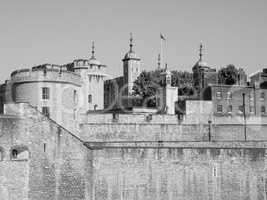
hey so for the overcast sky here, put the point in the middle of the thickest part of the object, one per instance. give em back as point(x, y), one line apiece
point(34, 32)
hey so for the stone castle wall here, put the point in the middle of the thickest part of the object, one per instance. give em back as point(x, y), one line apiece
point(26, 86)
point(126, 156)
point(43, 74)
point(144, 127)
point(53, 165)
point(179, 173)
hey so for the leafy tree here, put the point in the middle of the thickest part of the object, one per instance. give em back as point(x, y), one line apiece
point(145, 87)
point(228, 75)
point(147, 83)
point(184, 81)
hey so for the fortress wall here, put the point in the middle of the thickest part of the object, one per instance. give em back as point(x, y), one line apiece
point(179, 173)
point(31, 75)
point(61, 97)
point(142, 132)
point(129, 118)
point(14, 175)
point(57, 165)
point(135, 127)
point(170, 132)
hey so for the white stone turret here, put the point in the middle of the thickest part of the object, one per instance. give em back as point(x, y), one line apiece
point(167, 96)
point(131, 68)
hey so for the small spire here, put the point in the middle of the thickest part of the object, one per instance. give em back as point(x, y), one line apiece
point(93, 50)
point(159, 61)
point(200, 51)
point(131, 42)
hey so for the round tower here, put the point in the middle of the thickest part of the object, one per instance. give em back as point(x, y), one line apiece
point(52, 89)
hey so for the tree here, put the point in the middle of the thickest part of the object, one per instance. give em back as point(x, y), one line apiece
point(147, 83)
point(228, 75)
point(145, 87)
point(184, 81)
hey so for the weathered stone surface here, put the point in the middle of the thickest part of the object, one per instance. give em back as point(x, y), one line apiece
point(56, 167)
point(130, 159)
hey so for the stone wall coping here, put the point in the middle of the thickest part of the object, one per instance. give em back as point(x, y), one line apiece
point(162, 123)
point(5, 116)
point(179, 144)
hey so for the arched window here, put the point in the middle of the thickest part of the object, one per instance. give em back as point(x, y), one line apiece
point(95, 107)
point(19, 153)
point(89, 98)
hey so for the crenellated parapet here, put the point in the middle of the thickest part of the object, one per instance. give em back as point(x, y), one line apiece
point(46, 73)
point(92, 67)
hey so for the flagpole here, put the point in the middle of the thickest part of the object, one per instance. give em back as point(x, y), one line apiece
point(165, 42)
point(161, 53)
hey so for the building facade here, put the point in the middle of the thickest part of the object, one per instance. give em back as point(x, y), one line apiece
point(133, 156)
point(118, 91)
point(58, 91)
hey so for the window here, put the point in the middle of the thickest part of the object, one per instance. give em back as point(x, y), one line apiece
point(1, 105)
point(218, 95)
point(115, 117)
point(219, 108)
point(229, 95)
point(214, 171)
point(263, 110)
point(168, 80)
point(45, 93)
point(95, 107)
point(75, 96)
point(262, 96)
point(230, 109)
point(45, 111)
point(89, 98)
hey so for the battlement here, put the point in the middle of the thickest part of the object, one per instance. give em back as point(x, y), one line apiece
point(146, 127)
point(93, 67)
point(46, 73)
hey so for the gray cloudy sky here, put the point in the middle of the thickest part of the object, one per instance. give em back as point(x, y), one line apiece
point(34, 32)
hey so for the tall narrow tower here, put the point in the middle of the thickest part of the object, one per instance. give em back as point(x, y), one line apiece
point(167, 96)
point(131, 68)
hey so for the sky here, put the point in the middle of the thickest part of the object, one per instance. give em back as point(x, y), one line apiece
point(34, 32)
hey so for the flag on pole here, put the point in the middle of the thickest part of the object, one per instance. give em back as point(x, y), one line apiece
point(162, 37)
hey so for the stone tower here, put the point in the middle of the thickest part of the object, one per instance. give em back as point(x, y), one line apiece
point(203, 75)
point(131, 68)
point(167, 96)
point(92, 74)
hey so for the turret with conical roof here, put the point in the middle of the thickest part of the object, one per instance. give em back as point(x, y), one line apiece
point(203, 75)
point(131, 67)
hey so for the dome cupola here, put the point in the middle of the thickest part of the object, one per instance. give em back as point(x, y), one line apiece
point(131, 54)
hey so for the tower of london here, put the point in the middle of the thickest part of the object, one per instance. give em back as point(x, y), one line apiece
point(68, 132)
